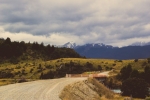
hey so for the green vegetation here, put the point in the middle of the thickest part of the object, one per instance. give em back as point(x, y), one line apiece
point(90, 89)
point(39, 68)
point(135, 82)
point(135, 87)
point(21, 62)
point(14, 52)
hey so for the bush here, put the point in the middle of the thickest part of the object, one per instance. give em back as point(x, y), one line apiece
point(112, 83)
point(125, 72)
point(22, 80)
point(31, 70)
point(6, 74)
point(138, 88)
point(40, 66)
point(114, 64)
point(119, 60)
point(100, 67)
point(147, 98)
point(48, 75)
point(101, 89)
point(135, 60)
point(49, 66)
point(18, 67)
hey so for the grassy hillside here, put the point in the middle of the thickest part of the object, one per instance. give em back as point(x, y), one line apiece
point(14, 51)
point(32, 69)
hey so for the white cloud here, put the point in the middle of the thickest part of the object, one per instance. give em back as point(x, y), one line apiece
point(53, 38)
point(59, 21)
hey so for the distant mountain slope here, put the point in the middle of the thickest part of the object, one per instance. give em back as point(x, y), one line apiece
point(69, 45)
point(110, 52)
point(140, 44)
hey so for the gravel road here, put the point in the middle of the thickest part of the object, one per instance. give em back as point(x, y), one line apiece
point(104, 73)
point(36, 90)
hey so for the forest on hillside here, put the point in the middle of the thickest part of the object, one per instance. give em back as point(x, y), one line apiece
point(13, 51)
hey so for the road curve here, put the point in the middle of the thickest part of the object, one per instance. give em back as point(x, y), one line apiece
point(36, 90)
point(104, 73)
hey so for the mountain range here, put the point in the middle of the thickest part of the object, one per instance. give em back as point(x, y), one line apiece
point(137, 50)
point(140, 44)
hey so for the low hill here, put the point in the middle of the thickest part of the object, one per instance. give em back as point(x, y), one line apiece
point(38, 68)
point(16, 51)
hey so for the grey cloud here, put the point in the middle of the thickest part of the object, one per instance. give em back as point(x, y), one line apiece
point(93, 21)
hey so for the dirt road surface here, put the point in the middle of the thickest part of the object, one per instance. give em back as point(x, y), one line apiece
point(36, 90)
point(104, 73)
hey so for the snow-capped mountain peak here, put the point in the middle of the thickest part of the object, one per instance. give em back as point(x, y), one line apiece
point(97, 44)
point(73, 45)
point(70, 45)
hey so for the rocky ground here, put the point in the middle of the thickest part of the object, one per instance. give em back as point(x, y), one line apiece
point(82, 90)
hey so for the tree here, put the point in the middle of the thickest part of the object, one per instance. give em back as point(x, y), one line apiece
point(7, 41)
point(135, 87)
point(89, 66)
point(125, 72)
point(134, 73)
point(135, 60)
point(100, 67)
point(147, 74)
point(49, 75)
point(148, 59)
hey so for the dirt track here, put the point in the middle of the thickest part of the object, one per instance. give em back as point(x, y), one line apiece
point(37, 90)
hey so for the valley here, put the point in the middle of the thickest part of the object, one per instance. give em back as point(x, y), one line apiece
point(35, 64)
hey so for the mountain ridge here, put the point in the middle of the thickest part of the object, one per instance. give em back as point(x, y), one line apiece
point(100, 50)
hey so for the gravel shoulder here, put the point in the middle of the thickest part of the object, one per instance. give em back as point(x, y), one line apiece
point(36, 90)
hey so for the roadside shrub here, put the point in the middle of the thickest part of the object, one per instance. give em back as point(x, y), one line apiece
point(18, 67)
point(100, 67)
point(101, 89)
point(39, 70)
point(22, 80)
point(107, 68)
point(16, 73)
point(136, 87)
point(114, 64)
point(147, 98)
point(48, 66)
point(135, 60)
point(6, 74)
point(48, 75)
point(144, 64)
point(112, 83)
point(119, 60)
point(31, 70)
point(40, 66)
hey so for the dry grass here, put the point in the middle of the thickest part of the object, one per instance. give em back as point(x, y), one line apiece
point(101, 89)
point(90, 89)
point(6, 81)
point(79, 91)
point(28, 65)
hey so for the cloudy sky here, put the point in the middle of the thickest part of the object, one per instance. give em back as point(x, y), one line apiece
point(115, 22)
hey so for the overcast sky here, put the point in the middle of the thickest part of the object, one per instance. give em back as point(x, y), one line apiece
point(115, 22)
